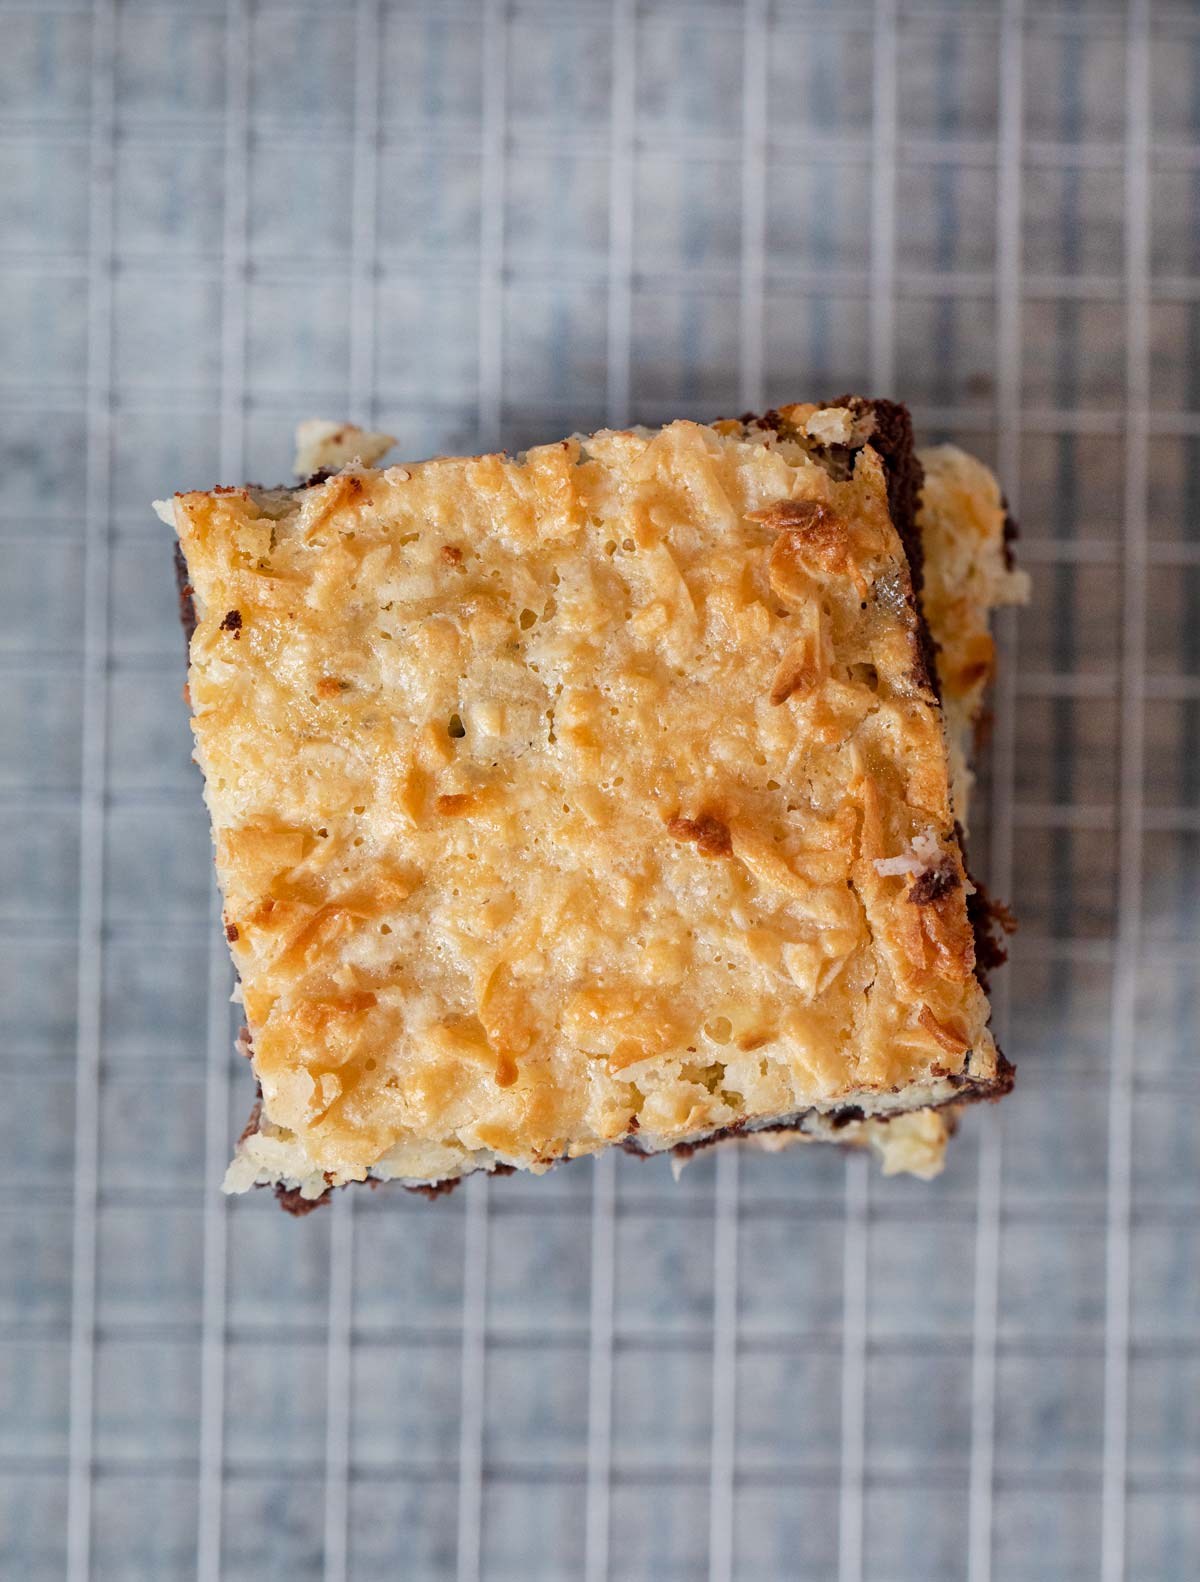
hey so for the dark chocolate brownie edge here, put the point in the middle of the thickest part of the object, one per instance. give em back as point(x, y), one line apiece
point(970, 1092)
point(187, 601)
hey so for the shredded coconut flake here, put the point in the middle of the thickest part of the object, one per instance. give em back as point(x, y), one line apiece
point(327, 447)
point(896, 867)
point(928, 848)
point(924, 853)
point(832, 425)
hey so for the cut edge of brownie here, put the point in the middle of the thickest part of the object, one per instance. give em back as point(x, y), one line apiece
point(968, 1091)
point(187, 597)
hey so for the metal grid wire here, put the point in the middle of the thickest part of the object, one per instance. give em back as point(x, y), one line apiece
point(487, 223)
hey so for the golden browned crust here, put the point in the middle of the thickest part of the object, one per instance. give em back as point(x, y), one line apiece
point(565, 797)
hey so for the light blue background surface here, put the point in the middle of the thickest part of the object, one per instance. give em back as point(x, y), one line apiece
point(477, 225)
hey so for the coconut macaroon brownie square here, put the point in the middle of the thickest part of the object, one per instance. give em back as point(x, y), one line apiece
point(600, 796)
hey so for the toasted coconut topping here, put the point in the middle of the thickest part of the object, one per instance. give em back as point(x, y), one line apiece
point(559, 794)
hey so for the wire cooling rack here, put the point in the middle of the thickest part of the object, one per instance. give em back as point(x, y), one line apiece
point(486, 224)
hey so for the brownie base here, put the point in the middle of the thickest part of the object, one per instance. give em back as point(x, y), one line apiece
point(186, 594)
